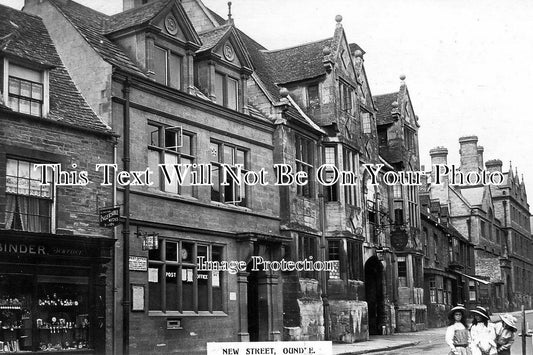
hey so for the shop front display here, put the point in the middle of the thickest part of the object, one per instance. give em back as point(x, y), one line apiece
point(52, 299)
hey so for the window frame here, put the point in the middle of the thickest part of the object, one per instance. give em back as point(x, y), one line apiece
point(181, 265)
point(243, 189)
point(226, 79)
point(168, 72)
point(163, 151)
point(305, 162)
point(52, 198)
point(308, 245)
point(331, 192)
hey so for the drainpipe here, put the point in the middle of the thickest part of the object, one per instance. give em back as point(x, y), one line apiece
point(323, 274)
point(126, 228)
point(115, 260)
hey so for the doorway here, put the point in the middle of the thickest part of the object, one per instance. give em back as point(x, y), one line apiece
point(374, 294)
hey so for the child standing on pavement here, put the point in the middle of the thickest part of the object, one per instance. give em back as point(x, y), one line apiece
point(483, 336)
point(505, 332)
point(457, 336)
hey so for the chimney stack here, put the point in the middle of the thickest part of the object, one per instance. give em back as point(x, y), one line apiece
point(469, 154)
point(494, 165)
point(480, 151)
point(439, 155)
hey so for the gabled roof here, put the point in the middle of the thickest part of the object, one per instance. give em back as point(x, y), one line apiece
point(211, 38)
point(91, 25)
point(297, 63)
point(384, 107)
point(31, 42)
point(136, 16)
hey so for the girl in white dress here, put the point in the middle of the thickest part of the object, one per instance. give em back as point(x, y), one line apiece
point(483, 336)
point(457, 336)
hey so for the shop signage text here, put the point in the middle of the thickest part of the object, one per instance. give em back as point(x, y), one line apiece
point(109, 217)
point(21, 248)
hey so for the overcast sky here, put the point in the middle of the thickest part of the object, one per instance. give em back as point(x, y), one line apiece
point(469, 64)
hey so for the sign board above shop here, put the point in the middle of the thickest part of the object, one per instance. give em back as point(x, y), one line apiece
point(109, 216)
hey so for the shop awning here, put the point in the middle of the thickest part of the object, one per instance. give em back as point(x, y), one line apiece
point(484, 282)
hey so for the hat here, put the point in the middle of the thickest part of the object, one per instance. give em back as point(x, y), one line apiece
point(458, 308)
point(481, 311)
point(509, 320)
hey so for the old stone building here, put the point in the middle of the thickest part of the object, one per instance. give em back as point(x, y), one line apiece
point(512, 209)
point(448, 259)
point(55, 260)
point(471, 209)
point(397, 133)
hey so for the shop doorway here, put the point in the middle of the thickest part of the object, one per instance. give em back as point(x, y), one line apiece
point(258, 306)
point(374, 294)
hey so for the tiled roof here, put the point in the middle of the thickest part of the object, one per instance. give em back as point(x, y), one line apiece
point(211, 37)
point(135, 16)
point(91, 24)
point(31, 42)
point(297, 63)
point(354, 47)
point(384, 107)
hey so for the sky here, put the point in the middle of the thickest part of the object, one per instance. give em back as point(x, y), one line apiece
point(468, 64)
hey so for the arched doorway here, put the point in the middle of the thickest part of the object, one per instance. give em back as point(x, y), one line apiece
point(374, 294)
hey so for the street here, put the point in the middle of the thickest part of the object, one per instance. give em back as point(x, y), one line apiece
point(433, 344)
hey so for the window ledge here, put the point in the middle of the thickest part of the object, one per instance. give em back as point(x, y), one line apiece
point(230, 206)
point(187, 314)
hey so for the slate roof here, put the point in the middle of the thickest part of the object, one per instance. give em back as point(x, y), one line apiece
point(211, 37)
point(297, 63)
point(136, 16)
point(25, 36)
point(91, 24)
point(384, 107)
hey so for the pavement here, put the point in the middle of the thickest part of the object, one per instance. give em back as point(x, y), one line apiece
point(383, 343)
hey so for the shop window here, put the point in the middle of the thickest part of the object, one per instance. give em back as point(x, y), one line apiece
point(308, 249)
point(334, 255)
point(233, 157)
point(305, 153)
point(53, 316)
point(432, 290)
point(350, 165)
point(313, 98)
point(171, 145)
point(176, 284)
point(227, 91)
point(355, 260)
point(26, 90)
point(29, 204)
point(167, 67)
point(330, 158)
point(402, 271)
point(448, 291)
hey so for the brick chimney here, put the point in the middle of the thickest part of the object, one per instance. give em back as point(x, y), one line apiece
point(469, 154)
point(439, 155)
point(494, 165)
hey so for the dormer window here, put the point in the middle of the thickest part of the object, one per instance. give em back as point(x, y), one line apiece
point(313, 98)
point(167, 67)
point(26, 90)
point(227, 91)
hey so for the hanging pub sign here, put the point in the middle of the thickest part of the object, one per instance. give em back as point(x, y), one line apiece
point(399, 239)
point(109, 216)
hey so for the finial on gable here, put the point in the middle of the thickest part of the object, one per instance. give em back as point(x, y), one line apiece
point(402, 78)
point(338, 19)
point(230, 19)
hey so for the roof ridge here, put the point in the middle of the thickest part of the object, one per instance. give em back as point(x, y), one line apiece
point(390, 93)
point(295, 46)
point(215, 28)
point(77, 3)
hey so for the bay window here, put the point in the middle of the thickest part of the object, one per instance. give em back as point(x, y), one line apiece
point(330, 158)
point(305, 152)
